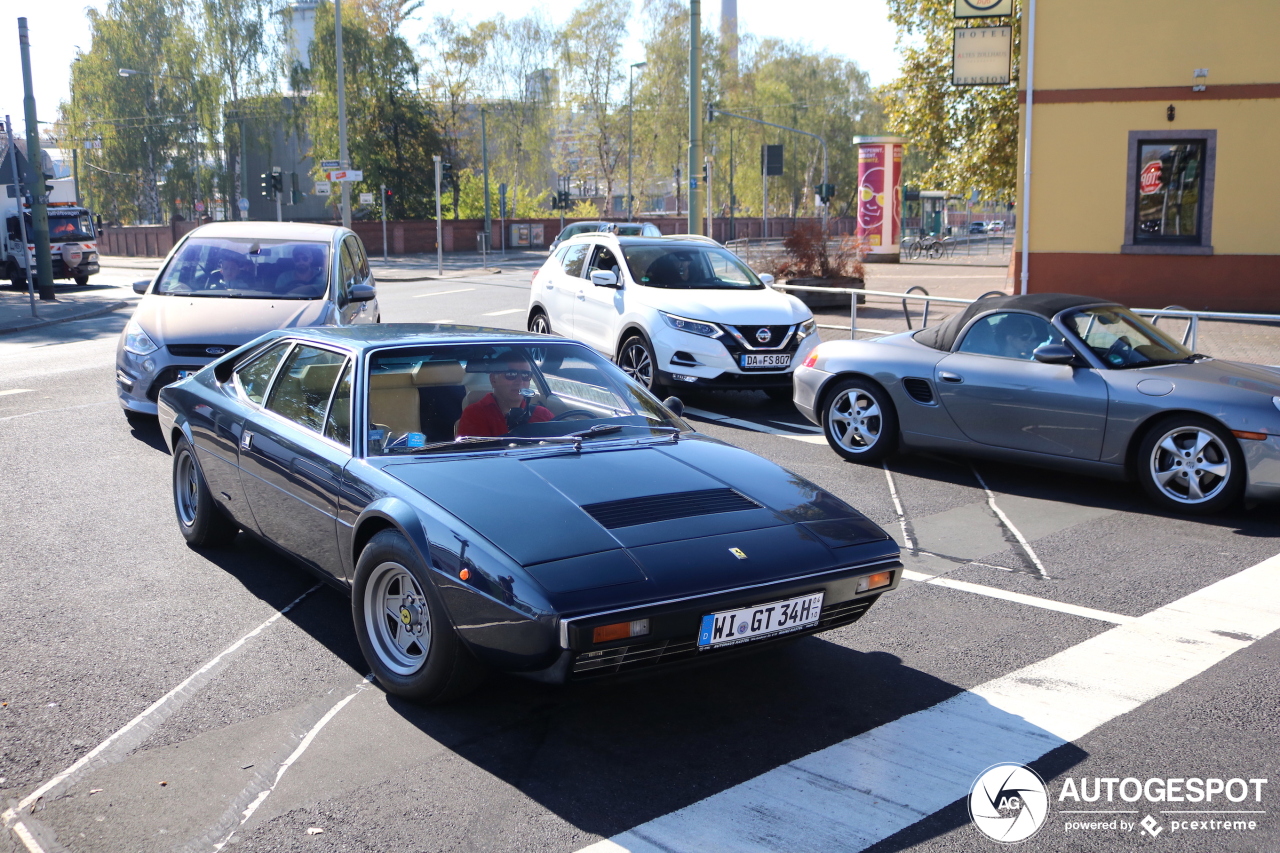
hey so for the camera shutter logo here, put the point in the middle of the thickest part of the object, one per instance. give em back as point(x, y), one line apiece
point(1008, 803)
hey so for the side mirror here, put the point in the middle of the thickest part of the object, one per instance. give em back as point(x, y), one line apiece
point(141, 286)
point(604, 278)
point(767, 279)
point(362, 292)
point(1054, 354)
point(675, 405)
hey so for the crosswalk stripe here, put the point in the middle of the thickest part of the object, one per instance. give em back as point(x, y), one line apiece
point(860, 791)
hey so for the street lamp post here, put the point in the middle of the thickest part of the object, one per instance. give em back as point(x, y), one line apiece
point(631, 83)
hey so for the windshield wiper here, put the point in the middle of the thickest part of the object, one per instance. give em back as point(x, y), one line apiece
point(574, 438)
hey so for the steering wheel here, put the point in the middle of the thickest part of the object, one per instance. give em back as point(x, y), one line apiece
point(574, 415)
point(1118, 352)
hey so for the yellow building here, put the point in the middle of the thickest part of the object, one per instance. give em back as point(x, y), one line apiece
point(1155, 158)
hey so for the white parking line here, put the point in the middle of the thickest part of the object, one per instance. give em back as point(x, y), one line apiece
point(502, 313)
point(15, 391)
point(140, 727)
point(1004, 519)
point(752, 425)
point(856, 793)
point(907, 536)
point(442, 292)
point(1020, 598)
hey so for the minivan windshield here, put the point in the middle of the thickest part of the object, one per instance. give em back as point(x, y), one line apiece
point(689, 266)
point(245, 268)
point(469, 397)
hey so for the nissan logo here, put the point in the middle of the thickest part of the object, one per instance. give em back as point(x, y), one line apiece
point(214, 350)
point(763, 335)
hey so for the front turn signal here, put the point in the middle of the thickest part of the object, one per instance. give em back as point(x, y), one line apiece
point(875, 581)
point(811, 359)
point(620, 631)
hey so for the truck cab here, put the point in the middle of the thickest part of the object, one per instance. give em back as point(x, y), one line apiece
point(73, 239)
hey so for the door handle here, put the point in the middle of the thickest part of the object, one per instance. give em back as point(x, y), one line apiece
point(948, 376)
point(582, 296)
point(246, 440)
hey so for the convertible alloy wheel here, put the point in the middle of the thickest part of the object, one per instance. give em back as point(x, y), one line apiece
point(1190, 464)
point(860, 422)
point(201, 522)
point(637, 361)
point(398, 618)
point(403, 629)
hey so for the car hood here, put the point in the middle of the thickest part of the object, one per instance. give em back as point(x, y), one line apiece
point(1253, 378)
point(195, 319)
point(766, 307)
point(546, 511)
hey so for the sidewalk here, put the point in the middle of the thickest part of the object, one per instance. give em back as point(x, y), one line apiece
point(72, 303)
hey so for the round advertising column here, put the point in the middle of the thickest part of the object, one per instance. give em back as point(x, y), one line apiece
point(880, 195)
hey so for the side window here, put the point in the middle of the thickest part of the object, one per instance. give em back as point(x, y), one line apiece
point(302, 391)
point(573, 260)
point(604, 260)
point(358, 258)
point(346, 272)
point(338, 426)
point(252, 379)
point(1008, 335)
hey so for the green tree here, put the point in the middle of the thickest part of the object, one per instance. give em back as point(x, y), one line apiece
point(967, 135)
point(391, 131)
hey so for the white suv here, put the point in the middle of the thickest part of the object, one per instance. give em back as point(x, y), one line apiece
point(673, 311)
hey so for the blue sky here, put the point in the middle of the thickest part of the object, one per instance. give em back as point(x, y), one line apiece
point(858, 29)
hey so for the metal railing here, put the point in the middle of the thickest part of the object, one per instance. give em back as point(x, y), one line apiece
point(1189, 336)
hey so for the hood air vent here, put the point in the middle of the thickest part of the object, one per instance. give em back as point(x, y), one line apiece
point(632, 511)
point(919, 389)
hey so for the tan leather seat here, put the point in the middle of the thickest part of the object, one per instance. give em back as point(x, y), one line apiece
point(393, 403)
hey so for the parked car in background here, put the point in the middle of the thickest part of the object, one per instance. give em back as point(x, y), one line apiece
point(1070, 382)
point(673, 311)
point(977, 228)
point(599, 536)
point(227, 283)
point(996, 226)
point(623, 229)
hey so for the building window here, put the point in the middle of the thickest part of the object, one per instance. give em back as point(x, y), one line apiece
point(1170, 192)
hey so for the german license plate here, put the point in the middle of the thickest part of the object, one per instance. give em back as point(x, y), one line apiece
point(183, 374)
point(731, 627)
point(766, 360)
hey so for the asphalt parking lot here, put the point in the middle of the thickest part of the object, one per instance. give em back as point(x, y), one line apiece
point(159, 698)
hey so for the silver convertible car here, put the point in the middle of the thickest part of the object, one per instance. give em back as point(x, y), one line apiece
point(1059, 381)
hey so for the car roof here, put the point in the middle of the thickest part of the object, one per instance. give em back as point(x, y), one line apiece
point(643, 240)
point(371, 335)
point(270, 230)
point(1047, 305)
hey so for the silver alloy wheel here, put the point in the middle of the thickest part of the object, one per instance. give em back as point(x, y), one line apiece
point(186, 490)
point(1190, 465)
point(397, 618)
point(540, 324)
point(635, 362)
point(855, 420)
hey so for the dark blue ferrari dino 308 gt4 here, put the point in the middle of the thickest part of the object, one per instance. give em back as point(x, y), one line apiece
point(506, 500)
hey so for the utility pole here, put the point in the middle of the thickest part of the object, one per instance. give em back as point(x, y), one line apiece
point(35, 175)
point(631, 95)
point(484, 162)
point(733, 199)
point(695, 112)
point(710, 222)
point(343, 155)
point(439, 229)
point(22, 220)
point(383, 189)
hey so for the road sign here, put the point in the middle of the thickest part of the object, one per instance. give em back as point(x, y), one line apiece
point(366, 198)
point(199, 207)
point(345, 175)
point(323, 188)
point(243, 204)
point(1149, 180)
point(330, 164)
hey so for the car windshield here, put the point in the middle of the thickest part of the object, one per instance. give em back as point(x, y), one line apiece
point(476, 397)
point(689, 266)
point(243, 268)
point(1122, 339)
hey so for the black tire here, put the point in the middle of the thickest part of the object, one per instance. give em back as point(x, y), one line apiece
point(202, 522)
point(860, 421)
point(417, 654)
point(637, 360)
point(540, 323)
point(1190, 464)
point(82, 280)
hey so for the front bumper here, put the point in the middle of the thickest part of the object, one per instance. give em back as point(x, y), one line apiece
point(139, 378)
point(685, 359)
point(808, 385)
point(1262, 468)
point(672, 641)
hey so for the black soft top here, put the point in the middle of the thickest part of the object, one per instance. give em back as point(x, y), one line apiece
point(1047, 305)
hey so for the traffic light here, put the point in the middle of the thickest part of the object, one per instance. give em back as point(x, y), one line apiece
point(704, 174)
point(295, 193)
point(386, 196)
point(825, 192)
point(446, 174)
point(277, 182)
point(564, 199)
point(265, 186)
point(711, 112)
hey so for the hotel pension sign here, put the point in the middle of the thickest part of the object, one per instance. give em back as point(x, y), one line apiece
point(982, 56)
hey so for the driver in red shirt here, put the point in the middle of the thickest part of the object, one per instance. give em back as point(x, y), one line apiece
point(508, 406)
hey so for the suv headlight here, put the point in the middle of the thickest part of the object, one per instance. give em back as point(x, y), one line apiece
point(807, 328)
point(136, 340)
point(697, 327)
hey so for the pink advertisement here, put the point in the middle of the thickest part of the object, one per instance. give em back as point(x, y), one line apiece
point(880, 194)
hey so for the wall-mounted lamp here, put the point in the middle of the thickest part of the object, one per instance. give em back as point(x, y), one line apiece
point(1170, 112)
point(1199, 79)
